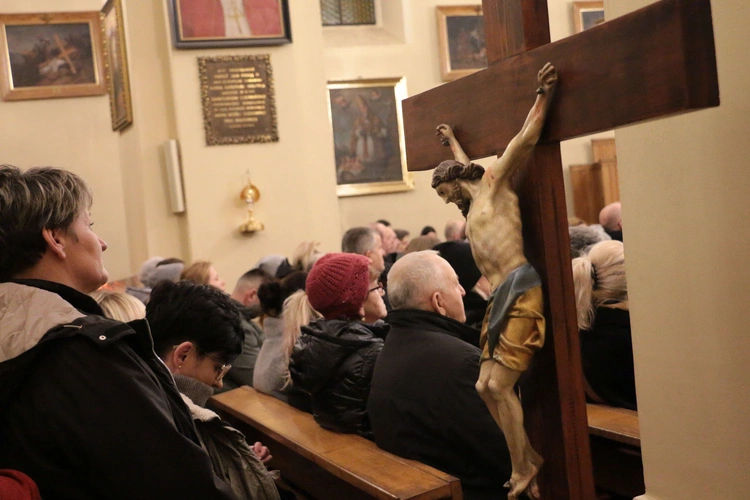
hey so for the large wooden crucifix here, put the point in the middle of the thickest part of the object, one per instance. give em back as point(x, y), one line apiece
point(656, 61)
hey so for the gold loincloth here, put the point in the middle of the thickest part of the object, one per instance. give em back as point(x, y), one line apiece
point(521, 332)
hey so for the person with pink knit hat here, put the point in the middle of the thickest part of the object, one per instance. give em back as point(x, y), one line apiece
point(335, 356)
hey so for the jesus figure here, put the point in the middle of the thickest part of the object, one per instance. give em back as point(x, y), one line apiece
point(513, 326)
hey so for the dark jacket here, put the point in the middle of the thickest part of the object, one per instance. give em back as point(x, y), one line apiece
point(88, 410)
point(424, 405)
point(243, 368)
point(333, 362)
point(232, 458)
point(607, 356)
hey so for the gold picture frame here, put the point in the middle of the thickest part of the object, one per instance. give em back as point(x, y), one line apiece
point(461, 42)
point(51, 55)
point(587, 15)
point(368, 136)
point(116, 64)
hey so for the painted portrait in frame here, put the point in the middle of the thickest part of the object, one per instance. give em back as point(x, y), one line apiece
point(116, 61)
point(50, 55)
point(587, 15)
point(461, 42)
point(368, 136)
point(200, 24)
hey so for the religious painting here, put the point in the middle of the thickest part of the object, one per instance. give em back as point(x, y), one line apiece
point(461, 41)
point(587, 15)
point(368, 136)
point(116, 62)
point(198, 24)
point(50, 55)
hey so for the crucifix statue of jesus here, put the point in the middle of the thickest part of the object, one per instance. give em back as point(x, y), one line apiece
point(514, 325)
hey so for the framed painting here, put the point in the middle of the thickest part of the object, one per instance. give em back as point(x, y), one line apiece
point(368, 136)
point(587, 15)
point(198, 24)
point(116, 63)
point(50, 55)
point(461, 41)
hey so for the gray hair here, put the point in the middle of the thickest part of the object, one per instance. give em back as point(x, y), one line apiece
point(582, 238)
point(413, 279)
point(358, 240)
point(30, 202)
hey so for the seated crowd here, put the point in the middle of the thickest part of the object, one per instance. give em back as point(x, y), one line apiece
point(380, 340)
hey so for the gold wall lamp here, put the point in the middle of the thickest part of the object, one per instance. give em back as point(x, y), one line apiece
point(250, 194)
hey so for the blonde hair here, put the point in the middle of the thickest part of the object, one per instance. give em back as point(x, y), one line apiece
point(120, 306)
point(197, 272)
point(599, 280)
point(297, 312)
point(305, 256)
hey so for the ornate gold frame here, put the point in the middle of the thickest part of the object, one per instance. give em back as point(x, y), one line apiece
point(443, 13)
point(399, 92)
point(121, 118)
point(11, 93)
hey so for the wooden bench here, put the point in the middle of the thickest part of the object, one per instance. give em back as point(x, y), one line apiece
point(327, 465)
point(616, 449)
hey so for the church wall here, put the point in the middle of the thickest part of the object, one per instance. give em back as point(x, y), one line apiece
point(74, 134)
point(416, 57)
point(685, 185)
point(298, 195)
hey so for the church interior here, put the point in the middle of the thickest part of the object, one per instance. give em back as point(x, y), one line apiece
point(681, 180)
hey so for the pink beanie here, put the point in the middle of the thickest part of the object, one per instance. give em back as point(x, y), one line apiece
point(337, 285)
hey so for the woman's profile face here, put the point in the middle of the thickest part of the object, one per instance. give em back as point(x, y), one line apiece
point(214, 280)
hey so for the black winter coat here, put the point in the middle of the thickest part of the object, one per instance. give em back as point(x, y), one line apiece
point(333, 362)
point(87, 410)
point(424, 405)
point(607, 356)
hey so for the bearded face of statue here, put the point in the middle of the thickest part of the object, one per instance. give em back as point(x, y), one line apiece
point(450, 192)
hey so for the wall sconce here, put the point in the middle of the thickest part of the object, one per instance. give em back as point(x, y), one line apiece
point(250, 194)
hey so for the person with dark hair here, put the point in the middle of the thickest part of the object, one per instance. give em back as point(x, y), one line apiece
point(245, 296)
point(198, 334)
point(428, 230)
point(281, 329)
point(88, 410)
point(165, 270)
point(335, 356)
point(365, 241)
point(403, 239)
point(384, 222)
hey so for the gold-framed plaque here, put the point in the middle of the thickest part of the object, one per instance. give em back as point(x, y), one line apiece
point(237, 93)
point(368, 136)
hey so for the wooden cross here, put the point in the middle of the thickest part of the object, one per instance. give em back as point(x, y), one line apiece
point(656, 61)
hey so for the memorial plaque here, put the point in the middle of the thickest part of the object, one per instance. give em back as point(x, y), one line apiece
point(238, 99)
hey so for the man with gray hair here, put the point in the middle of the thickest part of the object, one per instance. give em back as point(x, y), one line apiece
point(365, 241)
point(455, 230)
point(88, 410)
point(423, 386)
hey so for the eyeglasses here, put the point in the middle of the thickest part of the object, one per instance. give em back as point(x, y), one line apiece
point(379, 288)
point(220, 368)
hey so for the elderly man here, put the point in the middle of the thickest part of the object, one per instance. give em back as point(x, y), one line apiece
point(88, 410)
point(365, 241)
point(513, 328)
point(610, 217)
point(423, 404)
point(245, 294)
point(454, 230)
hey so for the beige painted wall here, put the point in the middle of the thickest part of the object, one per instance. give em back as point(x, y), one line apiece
point(685, 185)
point(416, 58)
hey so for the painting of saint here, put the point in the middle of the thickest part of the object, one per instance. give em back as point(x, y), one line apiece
point(366, 134)
point(248, 22)
point(466, 43)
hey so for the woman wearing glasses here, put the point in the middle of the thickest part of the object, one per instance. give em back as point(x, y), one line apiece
point(198, 334)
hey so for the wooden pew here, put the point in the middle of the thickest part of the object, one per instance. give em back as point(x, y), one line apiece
point(616, 450)
point(327, 465)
